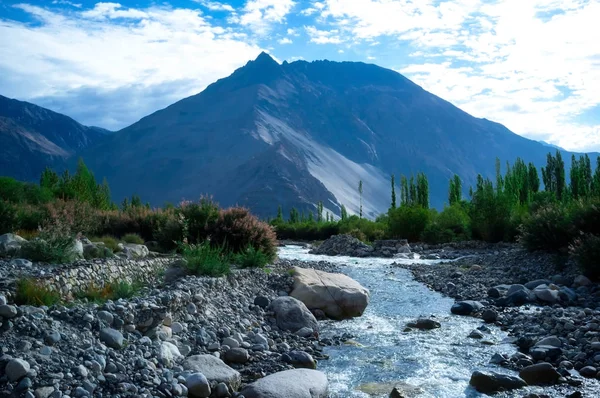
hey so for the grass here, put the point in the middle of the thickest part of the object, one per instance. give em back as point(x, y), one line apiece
point(203, 259)
point(133, 238)
point(110, 291)
point(27, 234)
point(251, 258)
point(30, 292)
point(52, 249)
point(109, 241)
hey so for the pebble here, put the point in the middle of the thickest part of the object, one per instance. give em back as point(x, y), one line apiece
point(16, 369)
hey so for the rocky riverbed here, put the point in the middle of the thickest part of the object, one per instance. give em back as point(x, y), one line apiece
point(192, 336)
point(550, 311)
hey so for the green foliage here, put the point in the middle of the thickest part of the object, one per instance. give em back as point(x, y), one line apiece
point(370, 230)
point(251, 258)
point(586, 251)
point(206, 259)
point(31, 292)
point(553, 175)
point(52, 246)
point(490, 211)
point(393, 182)
point(110, 291)
point(8, 217)
point(360, 193)
point(548, 229)
point(198, 218)
point(133, 238)
point(455, 190)
point(408, 222)
point(110, 242)
point(452, 224)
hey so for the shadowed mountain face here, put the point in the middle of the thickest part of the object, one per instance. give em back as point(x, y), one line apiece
point(33, 137)
point(298, 133)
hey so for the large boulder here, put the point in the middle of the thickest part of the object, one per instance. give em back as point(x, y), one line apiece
point(546, 293)
point(343, 245)
point(540, 373)
point(10, 244)
point(295, 383)
point(491, 382)
point(466, 307)
point(133, 250)
point(291, 314)
point(214, 370)
point(337, 295)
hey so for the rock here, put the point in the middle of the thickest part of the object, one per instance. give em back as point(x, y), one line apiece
point(16, 369)
point(214, 370)
point(78, 248)
point(588, 371)
point(305, 332)
point(466, 307)
point(168, 353)
point(345, 245)
point(518, 297)
point(106, 317)
point(291, 314)
point(198, 385)
point(545, 294)
point(261, 301)
point(111, 338)
point(8, 311)
point(541, 352)
point(10, 244)
point(540, 373)
point(491, 382)
point(476, 334)
point(133, 250)
point(498, 359)
point(489, 316)
point(20, 263)
point(174, 273)
point(296, 383)
point(581, 280)
point(533, 284)
point(237, 355)
point(425, 324)
point(338, 295)
point(300, 359)
point(550, 340)
point(231, 342)
point(52, 337)
point(43, 392)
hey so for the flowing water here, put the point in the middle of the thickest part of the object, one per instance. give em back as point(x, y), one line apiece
point(438, 362)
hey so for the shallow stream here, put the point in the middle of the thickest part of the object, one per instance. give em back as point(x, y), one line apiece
point(438, 363)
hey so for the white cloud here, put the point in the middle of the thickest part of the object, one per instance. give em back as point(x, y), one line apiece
point(285, 40)
point(292, 32)
point(323, 36)
point(534, 66)
point(260, 15)
point(309, 11)
point(89, 52)
point(371, 58)
point(340, 51)
point(215, 5)
point(67, 3)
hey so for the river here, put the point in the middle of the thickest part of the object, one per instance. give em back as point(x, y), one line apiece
point(439, 363)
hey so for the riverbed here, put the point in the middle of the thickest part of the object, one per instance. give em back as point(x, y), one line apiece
point(436, 363)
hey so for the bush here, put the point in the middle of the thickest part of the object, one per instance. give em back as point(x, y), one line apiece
point(408, 222)
point(31, 292)
point(370, 229)
point(237, 229)
point(251, 258)
point(586, 251)
point(8, 218)
point(50, 248)
point(198, 218)
point(110, 242)
point(133, 238)
point(452, 224)
point(110, 291)
point(76, 217)
point(550, 228)
point(205, 259)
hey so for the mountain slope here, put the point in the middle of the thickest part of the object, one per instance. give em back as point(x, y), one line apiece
point(34, 137)
point(298, 133)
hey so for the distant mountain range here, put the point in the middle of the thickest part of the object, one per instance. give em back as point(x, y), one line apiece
point(290, 134)
point(33, 137)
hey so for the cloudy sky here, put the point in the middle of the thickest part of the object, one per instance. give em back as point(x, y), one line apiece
point(533, 65)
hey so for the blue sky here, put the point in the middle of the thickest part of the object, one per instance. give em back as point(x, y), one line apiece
point(532, 65)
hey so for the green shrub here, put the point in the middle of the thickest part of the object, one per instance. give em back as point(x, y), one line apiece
point(586, 251)
point(251, 258)
point(452, 224)
point(550, 228)
point(372, 230)
point(31, 292)
point(133, 238)
point(198, 217)
point(205, 259)
point(8, 218)
point(110, 291)
point(50, 248)
point(110, 242)
point(408, 222)
point(237, 229)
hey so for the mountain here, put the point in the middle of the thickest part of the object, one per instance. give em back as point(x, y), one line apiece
point(293, 134)
point(34, 137)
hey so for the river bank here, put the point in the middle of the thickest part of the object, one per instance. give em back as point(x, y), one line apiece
point(549, 310)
